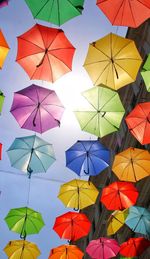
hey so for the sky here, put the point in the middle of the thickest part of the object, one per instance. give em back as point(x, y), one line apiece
point(14, 21)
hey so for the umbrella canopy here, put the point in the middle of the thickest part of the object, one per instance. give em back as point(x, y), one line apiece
point(113, 61)
point(104, 114)
point(72, 225)
point(116, 221)
point(2, 97)
point(138, 122)
point(78, 194)
point(139, 220)
point(21, 249)
point(31, 154)
point(37, 108)
point(146, 73)
point(55, 11)
point(45, 53)
point(134, 247)
point(130, 13)
point(3, 3)
point(66, 252)
point(103, 248)
point(119, 195)
point(132, 164)
point(87, 157)
point(24, 221)
point(4, 49)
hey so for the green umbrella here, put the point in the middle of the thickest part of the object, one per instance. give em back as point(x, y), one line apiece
point(2, 97)
point(24, 221)
point(55, 11)
point(146, 73)
point(104, 114)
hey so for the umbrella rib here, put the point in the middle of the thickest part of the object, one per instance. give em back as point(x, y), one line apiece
point(75, 159)
point(90, 120)
point(92, 164)
point(130, 42)
point(19, 158)
point(100, 51)
point(49, 104)
point(73, 6)
point(109, 101)
point(61, 61)
point(132, 13)
point(30, 105)
point(124, 70)
point(41, 9)
point(45, 154)
point(42, 50)
point(40, 161)
point(118, 12)
point(50, 114)
point(106, 67)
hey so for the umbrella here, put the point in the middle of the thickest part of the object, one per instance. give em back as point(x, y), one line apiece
point(139, 220)
point(37, 108)
point(24, 221)
point(125, 13)
point(1, 151)
point(72, 225)
point(4, 49)
point(122, 257)
point(146, 73)
point(2, 97)
point(113, 61)
point(138, 121)
point(31, 154)
point(134, 246)
point(119, 195)
point(103, 248)
point(66, 252)
point(3, 3)
point(21, 249)
point(78, 194)
point(88, 157)
point(55, 11)
point(45, 53)
point(116, 221)
point(104, 114)
point(132, 164)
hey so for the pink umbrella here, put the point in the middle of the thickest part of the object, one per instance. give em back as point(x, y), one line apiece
point(3, 3)
point(37, 108)
point(103, 248)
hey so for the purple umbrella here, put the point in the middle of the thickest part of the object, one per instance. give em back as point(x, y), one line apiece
point(37, 108)
point(3, 3)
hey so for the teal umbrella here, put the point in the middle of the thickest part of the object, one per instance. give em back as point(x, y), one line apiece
point(31, 154)
point(146, 73)
point(139, 220)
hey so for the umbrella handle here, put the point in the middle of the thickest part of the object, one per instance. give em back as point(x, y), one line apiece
point(23, 236)
point(75, 209)
point(87, 173)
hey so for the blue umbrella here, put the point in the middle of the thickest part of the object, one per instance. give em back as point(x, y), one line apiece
point(31, 154)
point(87, 157)
point(139, 220)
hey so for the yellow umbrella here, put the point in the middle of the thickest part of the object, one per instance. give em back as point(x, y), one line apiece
point(113, 61)
point(116, 221)
point(4, 48)
point(78, 194)
point(132, 164)
point(21, 249)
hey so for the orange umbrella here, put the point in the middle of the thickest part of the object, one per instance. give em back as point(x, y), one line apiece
point(66, 252)
point(132, 164)
point(129, 13)
point(119, 195)
point(4, 48)
point(72, 225)
point(45, 53)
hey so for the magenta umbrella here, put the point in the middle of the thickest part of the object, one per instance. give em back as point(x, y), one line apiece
point(37, 108)
point(103, 248)
point(3, 3)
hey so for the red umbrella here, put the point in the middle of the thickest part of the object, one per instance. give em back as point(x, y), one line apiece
point(138, 121)
point(45, 53)
point(129, 13)
point(119, 195)
point(72, 225)
point(134, 246)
